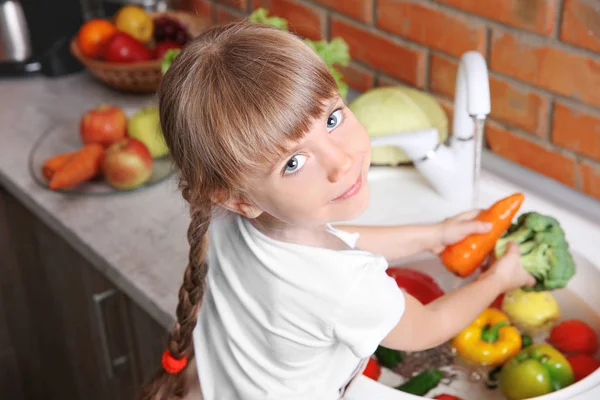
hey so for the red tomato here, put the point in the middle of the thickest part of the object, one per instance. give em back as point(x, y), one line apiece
point(446, 397)
point(574, 336)
point(418, 284)
point(373, 370)
point(583, 365)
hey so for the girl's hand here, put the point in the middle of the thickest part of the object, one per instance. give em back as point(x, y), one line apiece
point(507, 270)
point(456, 228)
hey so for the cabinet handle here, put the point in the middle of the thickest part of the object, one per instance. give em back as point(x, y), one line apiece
point(109, 362)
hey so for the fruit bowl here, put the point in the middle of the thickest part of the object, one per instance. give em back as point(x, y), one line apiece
point(139, 77)
point(63, 136)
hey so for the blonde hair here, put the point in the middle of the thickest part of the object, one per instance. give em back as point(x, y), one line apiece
point(233, 100)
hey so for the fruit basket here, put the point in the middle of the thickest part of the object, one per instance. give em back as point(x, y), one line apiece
point(141, 77)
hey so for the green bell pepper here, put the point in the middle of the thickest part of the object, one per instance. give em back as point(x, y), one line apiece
point(536, 370)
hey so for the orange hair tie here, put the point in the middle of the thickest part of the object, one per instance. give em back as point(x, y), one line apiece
point(171, 364)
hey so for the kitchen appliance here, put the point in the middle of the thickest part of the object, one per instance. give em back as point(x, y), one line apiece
point(35, 36)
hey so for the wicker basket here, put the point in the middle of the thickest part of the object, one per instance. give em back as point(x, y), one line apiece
point(142, 77)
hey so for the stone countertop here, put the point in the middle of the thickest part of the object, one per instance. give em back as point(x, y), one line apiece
point(137, 239)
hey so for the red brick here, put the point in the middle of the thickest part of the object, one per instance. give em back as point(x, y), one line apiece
point(581, 23)
point(401, 62)
point(442, 75)
point(303, 19)
point(560, 71)
point(530, 154)
point(576, 130)
point(511, 104)
point(519, 107)
point(361, 10)
point(225, 15)
point(239, 4)
point(358, 77)
point(590, 179)
point(431, 27)
point(533, 15)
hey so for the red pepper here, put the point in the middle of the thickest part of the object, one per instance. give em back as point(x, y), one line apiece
point(574, 336)
point(446, 397)
point(418, 284)
point(498, 302)
point(583, 365)
point(373, 370)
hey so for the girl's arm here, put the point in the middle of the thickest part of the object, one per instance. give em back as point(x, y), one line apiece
point(423, 327)
point(396, 242)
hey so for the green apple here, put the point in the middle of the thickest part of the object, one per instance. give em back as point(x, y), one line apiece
point(144, 126)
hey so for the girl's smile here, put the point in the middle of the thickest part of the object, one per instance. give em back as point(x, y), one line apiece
point(351, 191)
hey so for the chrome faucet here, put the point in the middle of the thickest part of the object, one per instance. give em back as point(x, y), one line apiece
point(454, 169)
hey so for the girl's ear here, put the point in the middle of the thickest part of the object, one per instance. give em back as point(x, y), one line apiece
point(241, 206)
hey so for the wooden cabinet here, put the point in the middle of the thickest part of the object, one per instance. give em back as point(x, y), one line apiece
point(66, 332)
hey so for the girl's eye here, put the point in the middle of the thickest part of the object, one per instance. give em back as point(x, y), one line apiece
point(334, 120)
point(294, 164)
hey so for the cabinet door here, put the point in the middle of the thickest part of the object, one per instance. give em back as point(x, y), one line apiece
point(29, 311)
point(92, 320)
point(66, 332)
point(11, 385)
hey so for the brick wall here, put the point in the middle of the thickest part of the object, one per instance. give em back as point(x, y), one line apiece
point(543, 56)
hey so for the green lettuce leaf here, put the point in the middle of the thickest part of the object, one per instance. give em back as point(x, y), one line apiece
point(167, 59)
point(260, 16)
point(334, 52)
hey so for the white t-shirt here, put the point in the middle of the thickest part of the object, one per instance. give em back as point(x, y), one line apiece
point(288, 321)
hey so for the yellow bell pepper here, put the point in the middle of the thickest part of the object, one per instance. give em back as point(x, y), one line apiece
point(489, 340)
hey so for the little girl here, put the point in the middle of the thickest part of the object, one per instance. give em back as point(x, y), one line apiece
point(270, 157)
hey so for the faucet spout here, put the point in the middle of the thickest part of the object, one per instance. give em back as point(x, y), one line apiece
point(471, 107)
point(453, 170)
point(472, 95)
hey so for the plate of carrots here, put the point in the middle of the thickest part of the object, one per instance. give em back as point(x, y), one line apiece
point(60, 162)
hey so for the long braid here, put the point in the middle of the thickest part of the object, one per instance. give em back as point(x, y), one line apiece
point(165, 386)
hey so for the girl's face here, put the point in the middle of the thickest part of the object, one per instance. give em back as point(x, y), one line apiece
point(323, 178)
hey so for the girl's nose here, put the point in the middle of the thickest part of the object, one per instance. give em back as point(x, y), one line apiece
point(339, 163)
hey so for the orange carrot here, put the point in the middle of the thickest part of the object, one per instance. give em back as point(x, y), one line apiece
point(54, 163)
point(464, 257)
point(81, 167)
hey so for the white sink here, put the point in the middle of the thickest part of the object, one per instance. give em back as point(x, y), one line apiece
point(401, 196)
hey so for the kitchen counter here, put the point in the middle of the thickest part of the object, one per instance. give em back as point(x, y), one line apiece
point(138, 239)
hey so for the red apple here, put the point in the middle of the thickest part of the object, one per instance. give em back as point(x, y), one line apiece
point(104, 124)
point(124, 48)
point(162, 47)
point(127, 164)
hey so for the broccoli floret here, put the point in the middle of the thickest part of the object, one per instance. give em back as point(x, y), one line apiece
point(544, 250)
point(521, 234)
point(537, 222)
point(536, 261)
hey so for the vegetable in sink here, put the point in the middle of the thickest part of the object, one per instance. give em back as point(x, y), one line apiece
point(535, 371)
point(532, 312)
point(489, 340)
point(544, 250)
